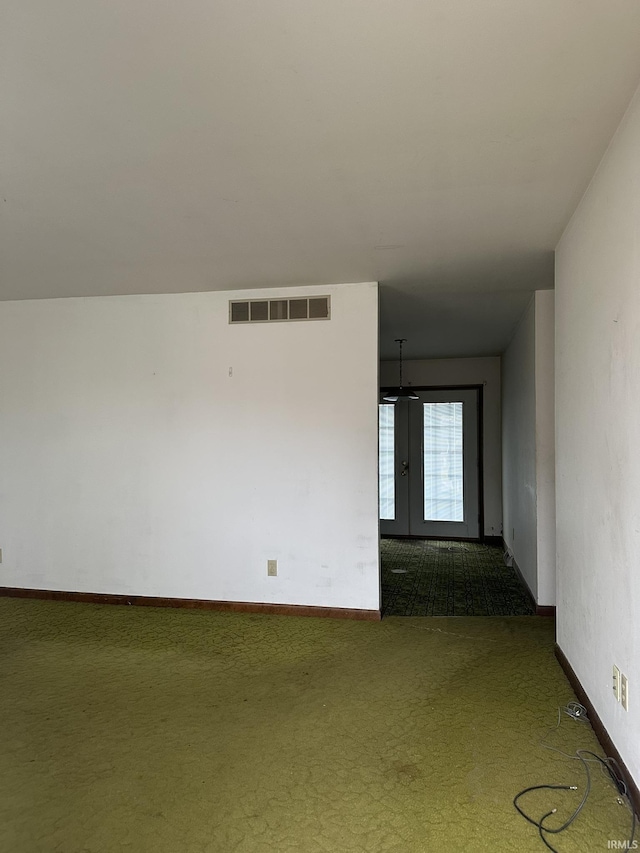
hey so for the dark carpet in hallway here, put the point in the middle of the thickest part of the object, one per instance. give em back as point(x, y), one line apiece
point(445, 578)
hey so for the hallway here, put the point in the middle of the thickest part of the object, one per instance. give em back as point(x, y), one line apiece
point(445, 578)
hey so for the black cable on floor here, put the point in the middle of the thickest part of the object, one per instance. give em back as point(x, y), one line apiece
point(609, 764)
point(539, 788)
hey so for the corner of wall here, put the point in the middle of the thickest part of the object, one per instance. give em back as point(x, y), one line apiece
point(545, 446)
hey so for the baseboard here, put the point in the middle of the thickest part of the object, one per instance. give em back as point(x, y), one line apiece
point(530, 595)
point(428, 538)
point(546, 610)
point(601, 733)
point(192, 603)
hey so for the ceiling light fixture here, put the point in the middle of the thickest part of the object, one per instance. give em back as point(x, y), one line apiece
point(400, 393)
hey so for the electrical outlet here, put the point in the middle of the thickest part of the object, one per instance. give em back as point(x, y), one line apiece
point(272, 568)
point(624, 691)
point(0, 555)
point(616, 682)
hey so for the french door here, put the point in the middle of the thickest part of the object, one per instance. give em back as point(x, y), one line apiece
point(428, 465)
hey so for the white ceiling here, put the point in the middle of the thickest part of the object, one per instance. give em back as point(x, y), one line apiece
point(447, 324)
point(438, 146)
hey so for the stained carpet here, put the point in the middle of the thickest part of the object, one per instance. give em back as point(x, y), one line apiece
point(442, 578)
point(154, 730)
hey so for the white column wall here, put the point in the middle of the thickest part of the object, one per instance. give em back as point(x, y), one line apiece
point(528, 434)
point(519, 448)
point(545, 447)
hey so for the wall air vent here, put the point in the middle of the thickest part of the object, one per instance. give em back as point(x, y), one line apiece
point(278, 310)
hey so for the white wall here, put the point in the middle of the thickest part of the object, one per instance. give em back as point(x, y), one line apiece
point(598, 430)
point(466, 371)
point(133, 463)
point(519, 447)
point(545, 447)
point(529, 446)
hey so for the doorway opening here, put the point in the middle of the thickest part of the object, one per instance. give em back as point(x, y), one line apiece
point(434, 562)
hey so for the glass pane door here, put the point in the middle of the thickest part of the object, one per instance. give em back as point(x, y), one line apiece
point(444, 489)
point(428, 465)
point(393, 461)
point(386, 466)
point(442, 457)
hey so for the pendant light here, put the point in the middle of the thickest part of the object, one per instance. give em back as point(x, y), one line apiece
point(400, 393)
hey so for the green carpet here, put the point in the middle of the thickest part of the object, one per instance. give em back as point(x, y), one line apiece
point(441, 578)
point(175, 731)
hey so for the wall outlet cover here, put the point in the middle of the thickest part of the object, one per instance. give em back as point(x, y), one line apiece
point(615, 682)
point(624, 691)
